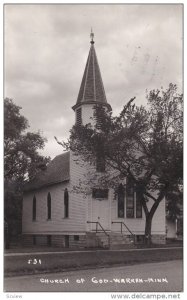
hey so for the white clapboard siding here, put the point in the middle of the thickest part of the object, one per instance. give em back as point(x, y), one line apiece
point(78, 206)
point(80, 197)
point(74, 223)
point(82, 208)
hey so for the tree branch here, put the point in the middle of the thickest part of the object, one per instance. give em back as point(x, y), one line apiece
point(150, 196)
point(60, 143)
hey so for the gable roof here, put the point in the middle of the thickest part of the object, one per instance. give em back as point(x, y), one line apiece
point(58, 170)
point(92, 88)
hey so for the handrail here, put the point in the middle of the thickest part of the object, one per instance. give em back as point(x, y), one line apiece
point(98, 223)
point(122, 223)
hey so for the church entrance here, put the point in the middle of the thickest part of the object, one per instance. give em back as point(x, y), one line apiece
point(101, 209)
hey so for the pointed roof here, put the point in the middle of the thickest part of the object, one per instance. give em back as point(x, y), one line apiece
point(58, 170)
point(91, 89)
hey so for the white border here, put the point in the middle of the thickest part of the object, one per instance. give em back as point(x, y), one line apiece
point(69, 295)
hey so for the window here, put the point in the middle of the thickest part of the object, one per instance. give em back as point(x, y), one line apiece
point(34, 208)
point(34, 240)
point(132, 209)
point(48, 240)
point(129, 199)
point(67, 241)
point(138, 206)
point(100, 193)
point(79, 116)
point(121, 197)
point(100, 162)
point(76, 237)
point(66, 204)
point(49, 206)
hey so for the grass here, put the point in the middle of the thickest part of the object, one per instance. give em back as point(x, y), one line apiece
point(51, 263)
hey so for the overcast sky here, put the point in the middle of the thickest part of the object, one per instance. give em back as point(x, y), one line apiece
point(138, 47)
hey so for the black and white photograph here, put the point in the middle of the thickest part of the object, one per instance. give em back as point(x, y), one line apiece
point(93, 149)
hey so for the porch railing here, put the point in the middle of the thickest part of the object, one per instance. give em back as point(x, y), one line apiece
point(98, 224)
point(128, 229)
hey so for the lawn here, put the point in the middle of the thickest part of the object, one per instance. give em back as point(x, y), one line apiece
point(55, 262)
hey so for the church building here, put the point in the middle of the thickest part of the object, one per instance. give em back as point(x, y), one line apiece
point(55, 214)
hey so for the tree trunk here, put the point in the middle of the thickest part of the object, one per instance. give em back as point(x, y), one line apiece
point(150, 213)
point(148, 225)
point(149, 217)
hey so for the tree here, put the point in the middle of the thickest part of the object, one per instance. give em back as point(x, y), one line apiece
point(142, 144)
point(174, 204)
point(21, 159)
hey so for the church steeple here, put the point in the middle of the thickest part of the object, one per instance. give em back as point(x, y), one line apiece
point(92, 37)
point(91, 89)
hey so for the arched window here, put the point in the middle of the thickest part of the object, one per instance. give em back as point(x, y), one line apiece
point(130, 198)
point(121, 197)
point(49, 206)
point(66, 204)
point(34, 208)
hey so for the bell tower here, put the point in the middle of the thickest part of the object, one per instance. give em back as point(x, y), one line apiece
point(91, 90)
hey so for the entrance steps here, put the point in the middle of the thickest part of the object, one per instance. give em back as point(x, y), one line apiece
point(97, 240)
point(119, 241)
point(113, 240)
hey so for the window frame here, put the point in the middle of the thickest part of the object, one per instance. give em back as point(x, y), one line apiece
point(121, 193)
point(49, 206)
point(34, 208)
point(66, 203)
point(130, 204)
point(136, 206)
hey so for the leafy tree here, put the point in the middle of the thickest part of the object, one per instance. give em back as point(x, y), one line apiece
point(174, 204)
point(21, 159)
point(142, 144)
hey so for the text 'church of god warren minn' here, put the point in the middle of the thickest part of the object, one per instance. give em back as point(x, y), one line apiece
point(55, 215)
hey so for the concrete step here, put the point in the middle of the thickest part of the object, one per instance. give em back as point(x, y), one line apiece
point(115, 240)
point(121, 239)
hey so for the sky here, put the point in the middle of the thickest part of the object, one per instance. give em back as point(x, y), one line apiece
point(139, 48)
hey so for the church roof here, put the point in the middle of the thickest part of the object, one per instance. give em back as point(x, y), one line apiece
point(56, 171)
point(91, 89)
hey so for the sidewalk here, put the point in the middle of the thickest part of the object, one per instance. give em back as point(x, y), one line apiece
point(37, 249)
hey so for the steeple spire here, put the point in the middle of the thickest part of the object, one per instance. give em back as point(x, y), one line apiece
point(91, 89)
point(92, 37)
